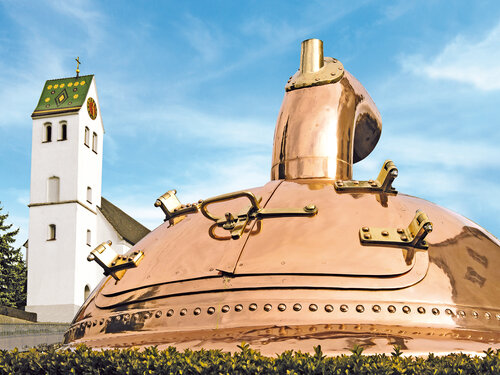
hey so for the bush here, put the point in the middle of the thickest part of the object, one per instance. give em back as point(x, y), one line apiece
point(84, 360)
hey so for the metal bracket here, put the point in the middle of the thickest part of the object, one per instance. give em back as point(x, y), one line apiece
point(412, 236)
point(112, 263)
point(236, 225)
point(173, 209)
point(382, 184)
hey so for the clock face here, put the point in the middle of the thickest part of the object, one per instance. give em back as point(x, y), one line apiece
point(92, 108)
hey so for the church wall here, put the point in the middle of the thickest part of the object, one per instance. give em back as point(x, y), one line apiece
point(55, 158)
point(89, 161)
point(50, 276)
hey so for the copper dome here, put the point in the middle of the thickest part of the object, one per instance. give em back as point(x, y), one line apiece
point(312, 257)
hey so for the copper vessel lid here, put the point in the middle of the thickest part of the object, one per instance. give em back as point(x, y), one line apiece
point(312, 257)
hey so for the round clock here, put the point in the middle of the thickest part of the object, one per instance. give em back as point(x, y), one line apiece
point(92, 108)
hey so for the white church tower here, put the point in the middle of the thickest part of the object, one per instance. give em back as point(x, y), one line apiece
point(66, 170)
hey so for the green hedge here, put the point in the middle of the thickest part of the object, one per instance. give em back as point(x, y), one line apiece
point(84, 360)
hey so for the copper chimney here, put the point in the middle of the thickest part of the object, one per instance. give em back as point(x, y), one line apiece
point(312, 257)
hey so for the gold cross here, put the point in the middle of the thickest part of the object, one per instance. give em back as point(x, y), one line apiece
point(77, 65)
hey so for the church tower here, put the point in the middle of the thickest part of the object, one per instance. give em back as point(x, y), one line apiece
point(65, 196)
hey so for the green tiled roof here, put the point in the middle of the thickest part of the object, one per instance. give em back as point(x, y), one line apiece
point(63, 95)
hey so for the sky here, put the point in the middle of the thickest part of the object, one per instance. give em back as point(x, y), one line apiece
point(189, 92)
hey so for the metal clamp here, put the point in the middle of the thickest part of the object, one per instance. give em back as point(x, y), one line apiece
point(237, 224)
point(173, 209)
point(412, 236)
point(382, 184)
point(112, 263)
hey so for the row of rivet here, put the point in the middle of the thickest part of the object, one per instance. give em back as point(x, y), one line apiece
point(282, 307)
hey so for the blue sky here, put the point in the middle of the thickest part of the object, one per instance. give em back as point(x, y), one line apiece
point(190, 91)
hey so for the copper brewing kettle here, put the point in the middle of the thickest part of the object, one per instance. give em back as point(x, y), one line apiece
point(312, 257)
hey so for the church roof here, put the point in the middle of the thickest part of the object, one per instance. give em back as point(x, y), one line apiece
point(63, 95)
point(127, 227)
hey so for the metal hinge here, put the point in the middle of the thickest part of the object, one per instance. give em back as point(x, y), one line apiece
point(112, 263)
point(382, 184)
point(412, 236)
point(174, 211)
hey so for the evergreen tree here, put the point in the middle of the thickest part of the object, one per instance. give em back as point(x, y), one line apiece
point(12, 267)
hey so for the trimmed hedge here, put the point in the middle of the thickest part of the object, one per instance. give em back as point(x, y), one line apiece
point(84, 360)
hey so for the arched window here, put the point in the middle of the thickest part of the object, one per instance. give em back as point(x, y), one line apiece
point(53, 189)
point(89, 237)
point(47, 133)
point(64, 131)
point(89, 194)
point(86, 293)
point(87, 135)
point(52, 232)
point(94, 142)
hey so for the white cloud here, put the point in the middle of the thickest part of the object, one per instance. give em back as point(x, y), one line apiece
point(463, 60)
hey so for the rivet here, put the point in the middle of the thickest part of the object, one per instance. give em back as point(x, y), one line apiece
point(475, 315)
point(400, 230)
point(210, 310)
point(252, 307)
point(197, 311)
point(448, 311)
point(360, 308)
point(487, 315)
point(340, 183)
point(376, 308)
point(328, 308)
point(461, 313)
point(406, 309)
point(313, 307)
point(183, 312)
point(238, 307)
point(316, 79)
point(310, 207)
point(281, 307)
point(367, 236)
point(225, 308)
point(170, 312)
point(498, 316)
point(421, 310)
point(391, 309)
point(365, 229)
point(404, 238)
point(158, 314)
point(268, 307)
point(344, 308)
point(385, 233)
point(297, 307)
point(371, 181)
point(355, 182)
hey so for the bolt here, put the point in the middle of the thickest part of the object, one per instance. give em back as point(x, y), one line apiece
point(394, 173)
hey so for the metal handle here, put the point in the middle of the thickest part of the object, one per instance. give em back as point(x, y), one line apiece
point(227, 197)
